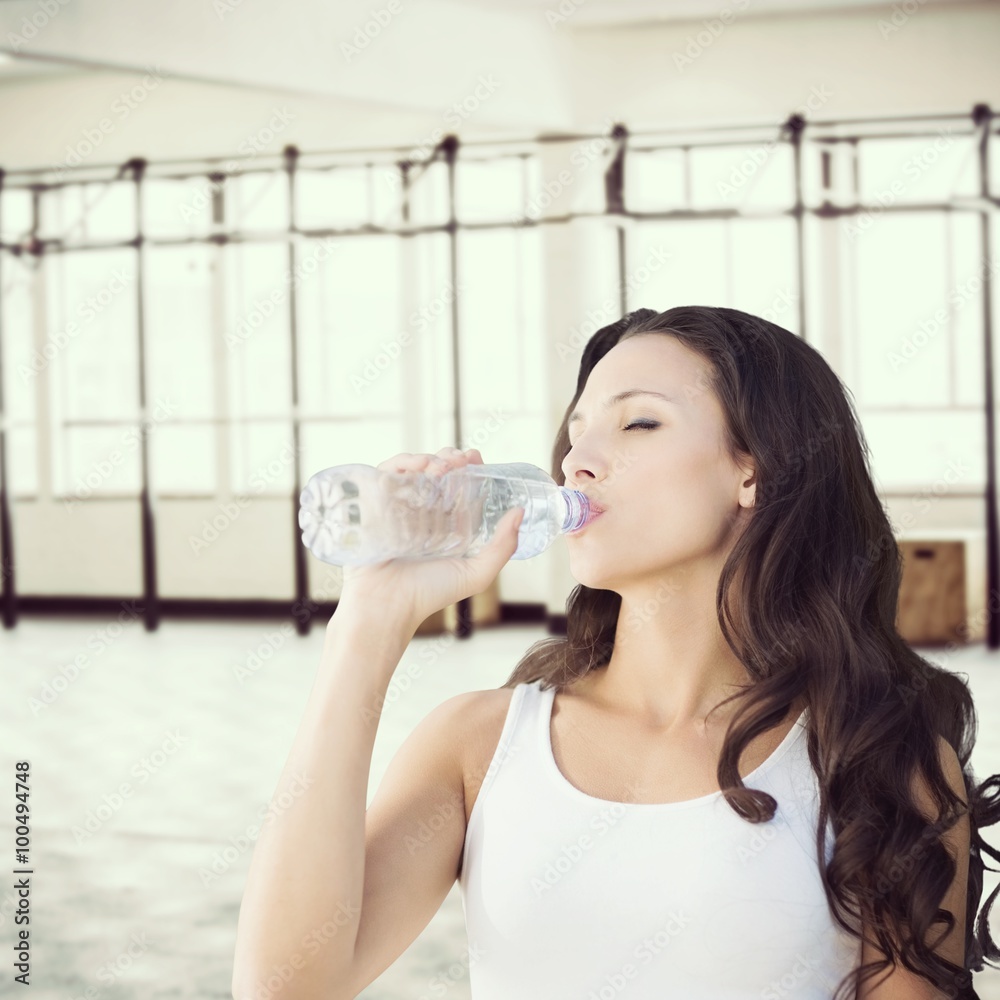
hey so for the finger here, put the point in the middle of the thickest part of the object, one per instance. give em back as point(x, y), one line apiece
point(453, 458)
point(505, 534)
point(437, 466)
point(508, 528)
point(417, 463)
point(403, 462)
point(487, 563)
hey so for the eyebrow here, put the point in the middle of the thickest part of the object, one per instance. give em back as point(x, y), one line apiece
point(618, 398)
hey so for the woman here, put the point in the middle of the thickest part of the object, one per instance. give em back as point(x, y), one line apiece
point(732, 778)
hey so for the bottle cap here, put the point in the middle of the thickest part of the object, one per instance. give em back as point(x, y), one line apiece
point(577, 508)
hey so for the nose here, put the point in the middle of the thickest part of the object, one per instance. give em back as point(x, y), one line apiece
point(580, 467)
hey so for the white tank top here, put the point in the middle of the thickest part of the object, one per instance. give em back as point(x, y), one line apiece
point(571, 897)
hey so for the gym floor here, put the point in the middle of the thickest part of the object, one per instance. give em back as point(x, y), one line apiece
point(149, 765)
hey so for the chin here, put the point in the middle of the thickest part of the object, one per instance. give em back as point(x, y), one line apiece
point(591, 574)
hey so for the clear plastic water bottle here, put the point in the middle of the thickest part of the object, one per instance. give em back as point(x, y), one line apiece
point(352, 515)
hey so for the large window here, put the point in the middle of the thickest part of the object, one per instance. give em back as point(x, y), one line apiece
point(308, 316)
point(90, 330)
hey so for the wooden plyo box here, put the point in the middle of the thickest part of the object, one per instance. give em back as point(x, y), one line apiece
point(932, 592)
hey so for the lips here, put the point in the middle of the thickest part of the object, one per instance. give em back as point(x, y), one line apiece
point(596, 510)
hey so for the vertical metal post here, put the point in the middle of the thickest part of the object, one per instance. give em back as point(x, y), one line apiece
point(622, 280)
point(614, 204)
point(795, 126)
point(982, 116)
point(9, 595)
point(302, 623)
point(151, 599)
point(449, 146)
point(221, 346)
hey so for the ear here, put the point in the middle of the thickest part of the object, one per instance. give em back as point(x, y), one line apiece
point(748, 491)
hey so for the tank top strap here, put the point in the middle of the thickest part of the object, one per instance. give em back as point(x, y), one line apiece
point(519, 733)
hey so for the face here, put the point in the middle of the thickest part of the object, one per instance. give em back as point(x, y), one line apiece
point(659, 467)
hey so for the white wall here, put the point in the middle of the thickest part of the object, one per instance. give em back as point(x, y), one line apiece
point(758, 69)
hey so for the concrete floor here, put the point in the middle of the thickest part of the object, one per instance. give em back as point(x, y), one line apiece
point(124, 910)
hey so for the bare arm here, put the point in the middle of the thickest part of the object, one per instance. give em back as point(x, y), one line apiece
point(309, 883)
point(333, 895)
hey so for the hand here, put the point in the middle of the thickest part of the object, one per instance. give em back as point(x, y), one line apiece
point(416, 588)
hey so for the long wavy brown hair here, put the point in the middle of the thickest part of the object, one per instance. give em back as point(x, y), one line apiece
point(807, 601)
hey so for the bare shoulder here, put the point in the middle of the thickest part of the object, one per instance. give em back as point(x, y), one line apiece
point(480, 717)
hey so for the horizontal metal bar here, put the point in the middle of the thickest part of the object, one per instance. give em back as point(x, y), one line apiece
point(818, 140)
point(211, 164)
point(971, 204)
point(234, 421)
point(283, 495)
point(245, 607)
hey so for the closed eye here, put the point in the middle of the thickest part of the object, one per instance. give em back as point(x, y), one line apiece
point(647, 425)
